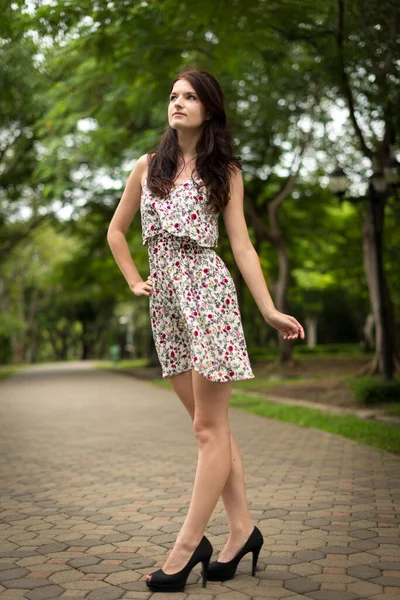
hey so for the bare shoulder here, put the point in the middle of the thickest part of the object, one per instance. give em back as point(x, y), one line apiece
point(130, 199)
point(143, 165)
point(236, 187)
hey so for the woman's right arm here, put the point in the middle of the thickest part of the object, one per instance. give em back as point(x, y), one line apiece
point(119, 225)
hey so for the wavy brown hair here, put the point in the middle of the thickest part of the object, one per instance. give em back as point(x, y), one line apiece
point(214, 151)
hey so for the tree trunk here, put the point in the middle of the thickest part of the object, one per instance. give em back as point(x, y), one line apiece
point(32, 310)
point(311, 327)
point(17, 348)
point(369, 259)
point(368, 332)
point(18, 336)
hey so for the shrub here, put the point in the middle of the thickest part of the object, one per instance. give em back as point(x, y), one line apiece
point(371, 390)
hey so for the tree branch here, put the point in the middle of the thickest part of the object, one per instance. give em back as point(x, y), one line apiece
point(345, 80)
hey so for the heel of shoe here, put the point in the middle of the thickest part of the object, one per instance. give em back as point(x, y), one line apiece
point(256, 552)
point(204, 571)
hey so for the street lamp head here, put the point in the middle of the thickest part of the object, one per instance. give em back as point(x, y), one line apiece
point(338, 182)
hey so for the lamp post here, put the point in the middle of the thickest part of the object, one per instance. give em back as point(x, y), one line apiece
point(377, 187)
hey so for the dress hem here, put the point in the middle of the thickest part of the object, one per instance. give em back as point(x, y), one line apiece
point(215, 380)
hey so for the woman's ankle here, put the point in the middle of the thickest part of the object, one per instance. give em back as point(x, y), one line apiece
point(239, 529)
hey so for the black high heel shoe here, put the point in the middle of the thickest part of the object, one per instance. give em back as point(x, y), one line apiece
point(218, 571)
point(161, 582)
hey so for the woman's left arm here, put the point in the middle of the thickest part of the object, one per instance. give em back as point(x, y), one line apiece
point(248, 262)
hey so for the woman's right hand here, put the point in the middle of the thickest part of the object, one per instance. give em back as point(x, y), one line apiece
point(143, 288)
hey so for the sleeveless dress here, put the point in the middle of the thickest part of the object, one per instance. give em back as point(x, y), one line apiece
point(194, 312)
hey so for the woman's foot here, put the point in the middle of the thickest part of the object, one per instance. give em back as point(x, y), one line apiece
point(235, 542)
point(179, 555)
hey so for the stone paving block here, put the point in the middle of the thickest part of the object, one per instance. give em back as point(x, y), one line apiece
point(365, 588)
point(275, 567)
point(13, 595)
point(83, 561)
point(332, 595)
point(14, 573)
point(54, 547)
point(242, 583)
point(100, 550)
point(339, 550)
point(105, 593)
point(233, 595)
point(306, 569)
point(309, 555)
point(364, 545)
point(281, 575)
point(363, 534)
point(363, 572)
point(66, 576)
point(301, 585)
point(383, 596)
point(383, 580)
point(122, 577)
point(108, 569)
point(4, 566)
point(26, 583)
point(80, 543)
point(82, 585)
point(395, 540)
point(340, 587)
point(334, 578)
point(138, 563)
point(282, 560)
point(18, 553)
point(45, 593)
point(387, 566)
point(361, 558)
point(272, 592)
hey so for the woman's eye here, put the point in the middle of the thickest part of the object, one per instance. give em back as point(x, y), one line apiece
point(189, 96)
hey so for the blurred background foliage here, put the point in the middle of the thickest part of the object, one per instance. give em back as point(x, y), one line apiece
point(84, 93)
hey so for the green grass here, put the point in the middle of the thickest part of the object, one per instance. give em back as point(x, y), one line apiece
point(264, 384)
point(373, 433)
point(7, 371)
point(392, 409)
point(123, 364)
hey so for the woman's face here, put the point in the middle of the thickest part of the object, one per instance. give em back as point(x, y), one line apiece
point(184, 100)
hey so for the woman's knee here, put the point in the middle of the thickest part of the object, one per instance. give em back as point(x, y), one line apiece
point(207, 431)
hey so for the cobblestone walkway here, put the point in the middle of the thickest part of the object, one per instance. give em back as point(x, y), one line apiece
point(96, 474)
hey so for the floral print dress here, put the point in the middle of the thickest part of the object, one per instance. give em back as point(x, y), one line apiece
point(195, 317)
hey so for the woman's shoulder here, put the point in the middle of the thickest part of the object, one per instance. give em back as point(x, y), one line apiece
point(143, 163)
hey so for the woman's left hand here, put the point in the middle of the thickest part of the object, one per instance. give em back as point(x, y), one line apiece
point(286, 324)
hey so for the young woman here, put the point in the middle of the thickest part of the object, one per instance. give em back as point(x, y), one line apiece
point(181, 189)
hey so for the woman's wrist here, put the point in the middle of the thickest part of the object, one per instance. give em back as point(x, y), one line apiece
point(133, 283)
point(267, 314)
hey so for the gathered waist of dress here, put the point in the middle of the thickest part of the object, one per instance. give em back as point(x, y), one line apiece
point(177, 239)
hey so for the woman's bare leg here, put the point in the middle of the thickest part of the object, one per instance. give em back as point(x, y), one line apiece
point(234, 492)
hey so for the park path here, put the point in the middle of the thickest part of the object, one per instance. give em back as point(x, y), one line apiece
point(96, 472)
